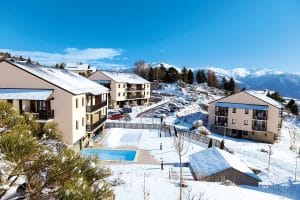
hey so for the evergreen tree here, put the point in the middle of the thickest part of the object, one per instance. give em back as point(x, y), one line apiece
point(29, 61)
point(231, 85)
point(276, 96)
point(212, 79)
point(172, 75)
point(151, 75)
point(293, 107)
point(200, 77)
point(184, 75)
point(224, 84)
point(162, 73)
point(190, 77)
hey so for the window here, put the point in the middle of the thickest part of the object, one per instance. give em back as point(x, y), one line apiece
point(246, 111)
point(119, 94)
point(124, 94)
point(265, 134)
point(76, 124)
point(245, 133)
point(233, 110)
point(245, 122)
point(233, 121)
point(82, 121)
point(76, 103)
point(82, 101)
point(123, 85)
point(119, 85)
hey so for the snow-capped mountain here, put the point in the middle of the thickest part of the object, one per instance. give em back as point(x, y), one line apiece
point(287, 84)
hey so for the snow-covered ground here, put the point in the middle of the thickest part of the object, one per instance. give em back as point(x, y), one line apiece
point(159, 185)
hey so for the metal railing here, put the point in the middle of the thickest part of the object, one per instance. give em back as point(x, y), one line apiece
point(96, 106)
point(44, 115)
point(91, 127)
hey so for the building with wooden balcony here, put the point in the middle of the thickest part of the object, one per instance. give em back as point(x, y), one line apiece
point(247, 114)
point(78, 105)
point(125, 88)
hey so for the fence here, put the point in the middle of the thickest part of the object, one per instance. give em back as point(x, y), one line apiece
point(131, 125)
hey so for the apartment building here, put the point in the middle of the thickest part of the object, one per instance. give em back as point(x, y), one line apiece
point(78, 105)
point(82, 69)
point(247, 114)
point(125, 88)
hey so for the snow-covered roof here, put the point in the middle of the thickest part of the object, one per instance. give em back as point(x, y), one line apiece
point(121, 77)
point(79, 67)
point(64, 79)
point(214, 160)
point(242, 106)
point(25, 94)
point(264, 98)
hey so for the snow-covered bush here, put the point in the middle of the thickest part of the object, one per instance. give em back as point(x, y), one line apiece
point(197, 123)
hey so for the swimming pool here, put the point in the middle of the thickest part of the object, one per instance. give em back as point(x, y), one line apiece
point(114, 155)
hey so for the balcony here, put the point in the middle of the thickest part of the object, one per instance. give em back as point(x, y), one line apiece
point(260, 115)
point(221, 113)
point(92, 127)
point(96, 106)
point(259, 125)
point(221, 121)
point(259, 128)
point(42, 115)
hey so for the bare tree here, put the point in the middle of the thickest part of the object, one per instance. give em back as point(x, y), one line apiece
point(141, 68)
point(181, 146)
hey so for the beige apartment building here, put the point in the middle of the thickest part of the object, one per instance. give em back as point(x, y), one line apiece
point(78, 105)
point(247, 114)
point(125, 88)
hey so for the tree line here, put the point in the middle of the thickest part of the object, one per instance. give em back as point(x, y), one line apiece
point(172, 74)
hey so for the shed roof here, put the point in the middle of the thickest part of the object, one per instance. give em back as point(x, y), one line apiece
point(214, 160)
point(25, 94)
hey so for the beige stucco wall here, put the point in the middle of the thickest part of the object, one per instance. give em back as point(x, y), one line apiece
point(240, 116)
point(122, 90)
point(62, 104)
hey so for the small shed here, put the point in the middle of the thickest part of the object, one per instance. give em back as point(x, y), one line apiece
point(216, 165)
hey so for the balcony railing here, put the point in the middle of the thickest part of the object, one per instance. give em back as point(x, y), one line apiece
point(96, 106)
point(135, 96)
point(44, 115)
point(221, 113)
point(259, 128)
point(92, 127)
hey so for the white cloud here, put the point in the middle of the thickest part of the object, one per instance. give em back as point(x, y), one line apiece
point(94, 56)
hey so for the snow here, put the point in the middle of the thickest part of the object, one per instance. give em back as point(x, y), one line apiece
point(130, 78)
point(264, 98)
point(65, 79)
point(79, 67)
point(214, 160)
point(25, 94)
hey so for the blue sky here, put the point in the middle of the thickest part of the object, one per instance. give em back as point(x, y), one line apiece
point(194, 33)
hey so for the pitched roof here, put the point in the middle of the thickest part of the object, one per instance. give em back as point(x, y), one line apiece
point(214, 160)
point(125, 77)
point(62, 78)
point(264, 98)
point(79, 67)
point(257, 95)
point(25, 94)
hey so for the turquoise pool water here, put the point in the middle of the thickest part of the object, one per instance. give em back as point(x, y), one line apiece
point(122, 155)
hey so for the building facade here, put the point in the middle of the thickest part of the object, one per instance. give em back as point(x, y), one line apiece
point(247, 114)
point(125, 88)
point(78, 105)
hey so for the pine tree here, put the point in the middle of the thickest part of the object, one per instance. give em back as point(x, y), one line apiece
point(184, 75)
point(162, 73)
point(151, 76)
point(29, 61)
point(293, 107)
point(172, 75)
point(231, 85)
point(224, 84)
point(190, 77)
point(201, 77)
